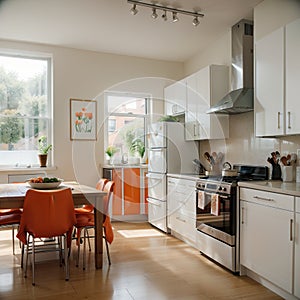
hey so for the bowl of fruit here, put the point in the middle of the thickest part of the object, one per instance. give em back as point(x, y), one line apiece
point(43, 183)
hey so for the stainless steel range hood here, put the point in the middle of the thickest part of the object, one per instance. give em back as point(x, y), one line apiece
point(240, 99)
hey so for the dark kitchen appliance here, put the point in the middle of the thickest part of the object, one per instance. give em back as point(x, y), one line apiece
point(217, 214)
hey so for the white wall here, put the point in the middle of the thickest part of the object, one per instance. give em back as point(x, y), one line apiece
point(219, 53)
point(85, 75)
point(243, 146)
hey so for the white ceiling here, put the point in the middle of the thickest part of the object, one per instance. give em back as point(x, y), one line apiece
point(108, 26)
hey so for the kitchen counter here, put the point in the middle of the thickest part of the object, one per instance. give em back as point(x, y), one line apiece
point(118, 166)
point(186, 176)
point(275, 186)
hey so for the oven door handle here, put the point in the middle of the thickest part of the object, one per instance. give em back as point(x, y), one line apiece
point(208, 193)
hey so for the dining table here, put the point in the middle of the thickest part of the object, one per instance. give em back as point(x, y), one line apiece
point(12, 195)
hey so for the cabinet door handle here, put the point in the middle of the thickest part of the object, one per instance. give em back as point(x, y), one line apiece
point(152, 202)
point(289, 120)
point(179, 219)
point(242, 217)
point(195, 129)
point(291, 229)
point(278, 120)
point(264, 199)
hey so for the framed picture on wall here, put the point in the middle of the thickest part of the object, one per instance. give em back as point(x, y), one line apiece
point(83, 120)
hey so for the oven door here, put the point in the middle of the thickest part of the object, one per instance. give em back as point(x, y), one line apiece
point(216, 216)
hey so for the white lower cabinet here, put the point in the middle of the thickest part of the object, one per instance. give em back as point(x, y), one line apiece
point(181, 208)
point(157, 213)
point(267, 235)
point(297, 250)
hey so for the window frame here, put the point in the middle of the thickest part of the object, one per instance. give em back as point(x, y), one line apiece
point(48, 58)
point(107, 114)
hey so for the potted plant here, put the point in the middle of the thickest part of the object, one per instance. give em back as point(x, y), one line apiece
point(44, 148)
point(111, 151)
point(138, 147)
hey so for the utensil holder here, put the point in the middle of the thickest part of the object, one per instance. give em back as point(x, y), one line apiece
point(287, 173)
point(276, 172)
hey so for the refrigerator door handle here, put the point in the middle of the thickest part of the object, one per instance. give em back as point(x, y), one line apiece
point(156, 203)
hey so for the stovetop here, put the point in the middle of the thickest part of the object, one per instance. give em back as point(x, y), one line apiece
point(225, 184)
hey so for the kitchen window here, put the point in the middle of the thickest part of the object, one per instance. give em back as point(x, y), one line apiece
point(25, 108)
point(127, 115)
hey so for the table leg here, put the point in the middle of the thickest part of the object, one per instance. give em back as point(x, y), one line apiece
point(98, 238)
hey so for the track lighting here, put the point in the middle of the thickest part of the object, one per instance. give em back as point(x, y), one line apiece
point(165, 9)
point(154, 14)
point(175, 18)
point(133, 10)
point(196, 21)
point(164, 15)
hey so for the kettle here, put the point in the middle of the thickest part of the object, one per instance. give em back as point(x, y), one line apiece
point(228, 171)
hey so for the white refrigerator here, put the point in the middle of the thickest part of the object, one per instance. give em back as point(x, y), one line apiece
point(168, 153)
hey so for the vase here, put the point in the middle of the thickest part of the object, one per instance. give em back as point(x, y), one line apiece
point(43, 160)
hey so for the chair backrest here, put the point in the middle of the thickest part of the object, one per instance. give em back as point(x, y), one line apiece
point(99, 186)
point(109, 186)
point(48, 213)
point(101, 183)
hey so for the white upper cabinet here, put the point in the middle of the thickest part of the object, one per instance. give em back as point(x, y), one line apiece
point(297, 250)
point(175, 98)
point(204, 89)
point(277, 75)
point(292, 76)
point(269, 88)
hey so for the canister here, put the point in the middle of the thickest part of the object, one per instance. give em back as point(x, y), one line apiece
point(298, 174)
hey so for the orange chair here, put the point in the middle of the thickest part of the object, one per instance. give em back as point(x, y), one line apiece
point(47, 214)
point(10, 218)
point(90, 208)
point(86, 221)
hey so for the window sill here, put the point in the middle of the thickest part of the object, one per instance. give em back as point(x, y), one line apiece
point(22, 170)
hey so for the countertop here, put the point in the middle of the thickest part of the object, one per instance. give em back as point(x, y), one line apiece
point(275, 186)
point(119, 166)
point(186, 176)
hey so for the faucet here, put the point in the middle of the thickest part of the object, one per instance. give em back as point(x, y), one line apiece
point(124, 159)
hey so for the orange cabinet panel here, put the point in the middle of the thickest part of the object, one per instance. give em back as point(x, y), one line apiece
point(132, 192)
point(117, 193)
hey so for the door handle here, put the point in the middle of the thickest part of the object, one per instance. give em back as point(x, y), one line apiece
point(264, 199)
point(152, 202)
point(289, 120)
point(242, 217)
point(291, 229)
point(278, 120)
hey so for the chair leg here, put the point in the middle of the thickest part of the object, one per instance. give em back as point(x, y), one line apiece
point(33, 261)
point(22, 255)
point(60, 251)
point(13, 239)
point(78, 253)
point(106, 244)
point(88, 236)
point(67, 266)
point(84, 246)
point(26, 257)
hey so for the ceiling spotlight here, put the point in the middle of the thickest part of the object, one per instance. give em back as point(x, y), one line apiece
point(164, 15)
point(133, 10)
point(156, 9)
point(154, 14)
point(196, 21)
point(175, 18)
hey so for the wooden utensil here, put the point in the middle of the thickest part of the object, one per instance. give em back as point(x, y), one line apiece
point(284, 160)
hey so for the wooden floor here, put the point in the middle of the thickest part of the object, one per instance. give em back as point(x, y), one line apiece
point(146, 264)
